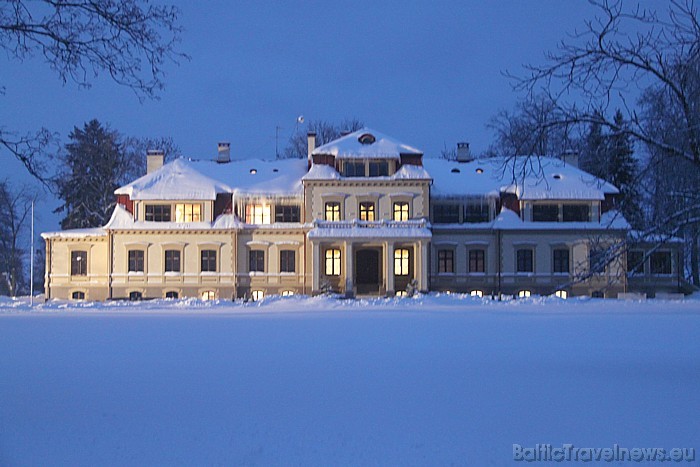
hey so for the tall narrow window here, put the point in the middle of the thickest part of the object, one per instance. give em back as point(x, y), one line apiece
point(401, 261)
point(188, 212)
point(524, 260)
point(332, 262)
point(136, 260)
point(560, 261)
point(257, 214)
point(78, 263)
point(597, 260)
point(208, 260)
point(287, 261)
point(446, 261)
point(256, 261)
point(332, 211)
point(172, 260)
point(401, 211)
point(477, 260)
point(366, 211)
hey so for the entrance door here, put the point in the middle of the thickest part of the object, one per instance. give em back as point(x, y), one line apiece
point(367, 271)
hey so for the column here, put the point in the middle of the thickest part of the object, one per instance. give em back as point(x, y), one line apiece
point(349, 282)
point(389, 268)
point(316, 268)
point(423, 266)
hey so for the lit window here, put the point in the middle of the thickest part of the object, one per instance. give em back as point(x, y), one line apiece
point(188, 213)
point(332, 211)
point(78, 295)
point(446, 261)
point(208, 258)
point(524, 294)
point(561, 294)
point(366, 211)
point(136, 260)
point(208, 295)
point(257, 214)
point(78, 263)
point(256, 261)
point(172, 260)
point(401, 211)
point(476, 293)
point(401, 293)
point(287, 293)
point(257, 295)
point(401, 261)
point(333, 262)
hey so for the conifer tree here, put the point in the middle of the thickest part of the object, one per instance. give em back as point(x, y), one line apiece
point(93, 167)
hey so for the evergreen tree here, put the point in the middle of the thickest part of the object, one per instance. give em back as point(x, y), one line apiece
point(623, 172)
point(93, 167)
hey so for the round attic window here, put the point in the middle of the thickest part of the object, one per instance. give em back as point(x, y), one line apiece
point(275, 170)
point(479, 170)
point(253, 171)
point(455, 170)
point(556, 177)
point(367, 138)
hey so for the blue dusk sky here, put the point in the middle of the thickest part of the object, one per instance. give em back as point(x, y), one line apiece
point(427, 73)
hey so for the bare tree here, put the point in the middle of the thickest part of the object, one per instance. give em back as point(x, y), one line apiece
point(325, 133)
point(15, 209)
point(128, 40)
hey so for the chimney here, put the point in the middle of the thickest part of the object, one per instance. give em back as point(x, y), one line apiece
point(224, 155)
point(154, 160)
point(570, 156)
point(311, 142)
point(463, 153)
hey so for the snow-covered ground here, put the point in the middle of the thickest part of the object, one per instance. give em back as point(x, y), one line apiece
point(316, 381)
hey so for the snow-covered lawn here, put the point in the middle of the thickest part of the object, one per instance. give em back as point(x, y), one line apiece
point(432, 380)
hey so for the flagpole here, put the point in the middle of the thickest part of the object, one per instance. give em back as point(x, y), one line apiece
point(31, 265)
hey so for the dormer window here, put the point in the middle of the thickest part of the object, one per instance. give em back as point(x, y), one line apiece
point(367, 138)
point(354, 169)
point(188, 212)
point(378, 169)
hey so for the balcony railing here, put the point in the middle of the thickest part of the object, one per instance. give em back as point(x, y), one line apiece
point(356, 223)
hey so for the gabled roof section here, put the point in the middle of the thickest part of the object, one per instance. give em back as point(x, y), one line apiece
point(528, 178)
point(366, 144)
point(177, 180)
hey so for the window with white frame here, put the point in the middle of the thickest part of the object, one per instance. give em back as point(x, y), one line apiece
point(332, 211)
point(401, 211)
point(188, 212)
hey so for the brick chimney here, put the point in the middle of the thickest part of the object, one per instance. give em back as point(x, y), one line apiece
point(154, 160)
point(224, 155)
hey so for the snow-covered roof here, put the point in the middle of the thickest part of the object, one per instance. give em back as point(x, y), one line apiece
point(123, 220)
point(256, 176)
point(177, 180)
point(76, 233)
point(406, 172)
point(528, 178)
point(509, 220)
point(366, 144)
